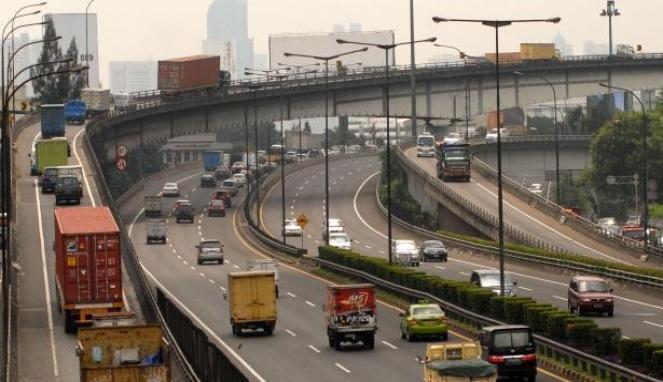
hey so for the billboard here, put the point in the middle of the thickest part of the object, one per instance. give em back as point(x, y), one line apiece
point(324, 44)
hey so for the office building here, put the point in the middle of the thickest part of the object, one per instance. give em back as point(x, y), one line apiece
point(228, 35)
point(132, 76)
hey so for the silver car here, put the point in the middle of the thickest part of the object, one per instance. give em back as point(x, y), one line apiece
point(490, 279)
point(210, 250)
point(405, 252)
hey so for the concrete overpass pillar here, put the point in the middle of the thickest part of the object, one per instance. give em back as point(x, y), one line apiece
point(516, 89)
point(479, 95)
point(566, 85)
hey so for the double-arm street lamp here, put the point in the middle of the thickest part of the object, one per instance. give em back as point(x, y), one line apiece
point(497, 24)
point(610, 11)
point(326, 60)
point(387, 48)
point(296, 67)
point(644, 154)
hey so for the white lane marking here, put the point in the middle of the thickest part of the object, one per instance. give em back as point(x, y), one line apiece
point(301, 188)
point(174, 250)
point(354, 204)
point(194, 189)
point(206, 328)
point(308, 235)
point(390, 345)
point(350, 173)
point(296, 195)
point(367, 246)
point(527, 289)
point(47, 284)
point(626, 338)
point(179, 257)
point(439, 267)
point(357, 241)
point(201, 274)
point(382, 252)
point(211, 281)
point(653, 324)
point(550, 228)
point(341, 178)
point(317, 242)
point(310, 303)
point(291, 294)
point(87, 183)
point(345, 369)
point(640, 314)
point(192, 267)
point(226, 260)
point(306, 182)
point(235, 266)
point(222, 288)
point(560, 298)
point(170, 244)
point(290, 332)
point(185, 262)
point(314, 349)
point(186, 195)
point(199, 228)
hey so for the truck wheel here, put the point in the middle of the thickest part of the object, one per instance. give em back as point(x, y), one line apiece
point(611, 312)
point(370, 342)
point(69, 323)
point(199, 262)
point(276, 291)
point(269, 330)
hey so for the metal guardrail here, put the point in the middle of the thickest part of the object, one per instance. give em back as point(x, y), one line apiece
point(651, 281)
point(481, 140)
point(597, 366)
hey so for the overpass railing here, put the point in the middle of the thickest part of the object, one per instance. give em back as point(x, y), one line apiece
point(481, 140)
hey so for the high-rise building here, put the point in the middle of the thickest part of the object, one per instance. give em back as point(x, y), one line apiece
point(71, 26)
point(228, 35)
point(132, 76)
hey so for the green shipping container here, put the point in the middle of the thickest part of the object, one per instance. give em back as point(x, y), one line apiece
point(50, 152)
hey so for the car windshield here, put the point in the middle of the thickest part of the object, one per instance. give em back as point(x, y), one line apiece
point(493, 280)
point(217, 203)
point(228, 183)
point(339, 238)
point(594, 286)
point(208, 176)
point(432, 310)
point(335, 223)
point(49, 172)
point(405, 246)
point(425, 141)
point(512, 339)
point(210, 244)
point(67, 181)
point(170, 185)
point(434, 244)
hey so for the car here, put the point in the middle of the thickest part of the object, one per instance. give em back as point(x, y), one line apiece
point(48, 179)
point(433, 250)
point(170, 189)
point(335, 226)
point(405, 252)
point(590, 294)
point(491, 135)
point(511, 348)
point(184, 212)
point(424, 319)
point(209, 250)
point(290, 157)
point(633, 220)
point(490, 279)
point(222, 172)
point(452, 138)
point(302, 157)
point(240, 179)
point(207, 180)
point(216, 207)
point(68, 188)
point(223, 195)
point(340, 240)
point(238, 166)
point(536, 189)
point(179, 202)
point(229, 185)
point(292, 228)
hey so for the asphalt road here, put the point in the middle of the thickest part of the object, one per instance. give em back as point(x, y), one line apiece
point(298, 350)
point(638, 312)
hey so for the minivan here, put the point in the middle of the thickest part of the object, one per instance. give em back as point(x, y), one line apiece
point(590, 294)
point(490, 279)
point(511, 348)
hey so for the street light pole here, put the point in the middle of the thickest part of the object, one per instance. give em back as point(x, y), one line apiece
point(610, 11)
point(87, 54)
point(497, 24)
point(413, 72)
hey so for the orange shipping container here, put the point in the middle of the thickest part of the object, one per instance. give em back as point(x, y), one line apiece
point(537, 51)
point(186, 73)
point(505, 57)
point(491, 119)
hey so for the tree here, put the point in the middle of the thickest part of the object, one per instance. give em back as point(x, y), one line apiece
point(74, 81)
point(307, 127)
point(46, 88)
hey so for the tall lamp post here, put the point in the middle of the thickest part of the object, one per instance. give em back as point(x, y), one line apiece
point(87, 54)
point(610, 11)
point(497, 24)
point(326, 60)
point(297, 67)
point(544, 79)
point(387, 48)
point(255, 89)
point(644, 154)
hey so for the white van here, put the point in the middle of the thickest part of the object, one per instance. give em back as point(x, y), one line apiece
point(425, 145)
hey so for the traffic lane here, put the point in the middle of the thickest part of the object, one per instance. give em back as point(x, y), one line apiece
point(529, 220)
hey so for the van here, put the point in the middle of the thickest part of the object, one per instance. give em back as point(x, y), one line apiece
point(229, 185)
point(425, 145)
point(590, 294)
point(511, 348)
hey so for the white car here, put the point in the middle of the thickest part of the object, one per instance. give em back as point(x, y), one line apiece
point(290, 156)
point(405, 252)
point(240, 179)
point(491, 136)
point(238, 166)
point(536, 189)
point(291, 228)
point(340, 240)
point(170, 189)
point(335, 226)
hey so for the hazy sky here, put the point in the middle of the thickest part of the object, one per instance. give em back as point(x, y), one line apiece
point(157, 29)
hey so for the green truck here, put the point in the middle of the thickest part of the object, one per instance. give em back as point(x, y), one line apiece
point(48, 153)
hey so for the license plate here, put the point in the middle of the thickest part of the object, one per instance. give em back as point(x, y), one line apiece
point(513, 361)
point(598, 306)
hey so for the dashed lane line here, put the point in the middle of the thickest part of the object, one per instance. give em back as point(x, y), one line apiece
point(345, 369)
point(314, 349)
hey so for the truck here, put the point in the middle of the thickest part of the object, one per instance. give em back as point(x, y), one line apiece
point(252, 301)
point(96, 100)
point(49, 153)
point(136, 353)
point(156, 230)
point(152, 206)
point(52, 121)
point(457, 362)
point(265, 265)
point(528, 52)
point(184, 77)
point(351, 315)
point(212, 160)
point(88, 268)
point(453, 161)
point(74, 111)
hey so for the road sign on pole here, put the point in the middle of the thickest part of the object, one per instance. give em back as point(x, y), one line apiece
point(302, 220)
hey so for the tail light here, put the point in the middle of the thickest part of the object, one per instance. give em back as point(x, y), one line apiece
point(496, 359)
point(529, 358)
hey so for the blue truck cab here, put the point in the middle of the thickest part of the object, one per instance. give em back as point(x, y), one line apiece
point(74, 111)
point(52, 121)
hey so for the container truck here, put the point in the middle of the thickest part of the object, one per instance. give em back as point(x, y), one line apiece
point(453, 161)
point(96, 100)
point(123, 353)
point(351, 315)
point(265, 265)
point(152, 206)
point(538, 51)
point(88, 269)
point(457, 362)
point(212, 160)
point(52, 121)
point(183, 77)
point(156, 230)
point(74, 111)
point(49, 153)
point(252, 301)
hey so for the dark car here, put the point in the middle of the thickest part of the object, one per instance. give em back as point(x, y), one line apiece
point(184, 211)
point(222, 172)
point(433, 250)
point(48, 179)
point(225, 196)
point(590, 294)
point(68, 188)
point(207, 180)
point(216, 208)
point(511, 348)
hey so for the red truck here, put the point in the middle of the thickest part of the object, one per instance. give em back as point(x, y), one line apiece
point(188, 76)
point(88, 268)
point(351, 315)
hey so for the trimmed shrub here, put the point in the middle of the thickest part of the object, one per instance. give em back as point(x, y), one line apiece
point(556, 324)
point(631, 351)
point(579, 333)
point(513, 309)
point(479, 300)
point(604, 340)
point(657, 363)
point(533, 316)
point(648, 354)
point(497, 307)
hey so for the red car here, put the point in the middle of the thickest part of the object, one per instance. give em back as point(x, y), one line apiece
point(223, 195)
point(216, 207)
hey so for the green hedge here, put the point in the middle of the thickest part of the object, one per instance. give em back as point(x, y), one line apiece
point(554, 323)
point(657, 363)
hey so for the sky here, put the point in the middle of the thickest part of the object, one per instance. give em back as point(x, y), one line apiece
point(159, 29)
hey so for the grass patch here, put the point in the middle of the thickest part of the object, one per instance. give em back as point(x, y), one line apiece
point(656, 211)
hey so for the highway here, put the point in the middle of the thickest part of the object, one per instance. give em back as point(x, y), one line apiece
point(638, 312)
point(298, 350)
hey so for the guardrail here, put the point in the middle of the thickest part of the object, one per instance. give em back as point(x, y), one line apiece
point(481, 140)
point(596, 366)
point(451, 241)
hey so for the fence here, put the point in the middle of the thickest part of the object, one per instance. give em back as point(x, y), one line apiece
point(209, 363)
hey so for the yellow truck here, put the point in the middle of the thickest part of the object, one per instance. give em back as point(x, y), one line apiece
point(123, 354)
point(457, 362)
point(252, 301)
point(538, 51)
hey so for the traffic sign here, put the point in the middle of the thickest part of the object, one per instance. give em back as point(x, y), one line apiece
point(121, 164)
point(122, 150)
point(302, 220)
